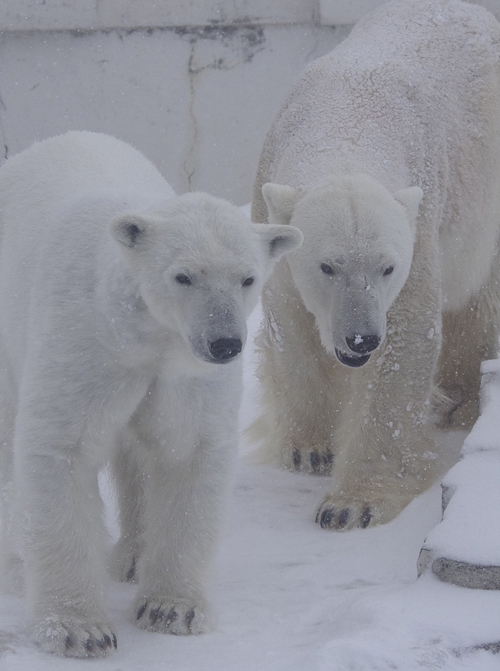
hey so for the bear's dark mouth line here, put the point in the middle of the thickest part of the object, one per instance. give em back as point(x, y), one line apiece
point(351, 360)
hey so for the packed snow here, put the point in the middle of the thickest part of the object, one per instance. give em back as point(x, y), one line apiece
point(291, 596)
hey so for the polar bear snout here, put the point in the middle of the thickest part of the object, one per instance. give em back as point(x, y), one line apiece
point(218, 347)
point(225, 349)
point(220, 342)
point(359, 349)
point(215, 325)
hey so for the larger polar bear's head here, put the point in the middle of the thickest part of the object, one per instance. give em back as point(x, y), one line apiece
point(355, 259)
point(200, 265)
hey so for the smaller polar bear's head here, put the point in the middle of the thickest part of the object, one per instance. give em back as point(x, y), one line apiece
point(355, 259)
point(200, 265)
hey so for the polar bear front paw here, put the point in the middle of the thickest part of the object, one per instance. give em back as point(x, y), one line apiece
point(309, 460)
point(74, 637)
point(170, 616)
point(343, 514)
point(342, 517)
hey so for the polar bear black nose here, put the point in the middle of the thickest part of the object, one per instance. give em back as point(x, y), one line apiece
point(363, 344)
point(224, 349)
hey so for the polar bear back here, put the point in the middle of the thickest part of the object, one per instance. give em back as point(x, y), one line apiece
point(409, 65)
point(79, 163)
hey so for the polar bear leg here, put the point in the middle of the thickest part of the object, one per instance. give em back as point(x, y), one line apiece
point(11, 564)
point(57, 462)
point(470, 336)
point(302, 385)
point(183, 505)
point(129, 472)
point(65, 554)
point(61, 440)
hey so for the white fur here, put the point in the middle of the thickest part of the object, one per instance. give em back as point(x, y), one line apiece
point(105, 356)
point(386, 154)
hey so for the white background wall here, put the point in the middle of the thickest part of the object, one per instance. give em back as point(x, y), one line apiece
point(193, 84)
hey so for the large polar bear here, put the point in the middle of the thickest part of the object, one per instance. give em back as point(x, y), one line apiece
point(386, 154)
point(119, 301)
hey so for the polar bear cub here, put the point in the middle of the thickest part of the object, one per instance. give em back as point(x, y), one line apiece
point(122, 318)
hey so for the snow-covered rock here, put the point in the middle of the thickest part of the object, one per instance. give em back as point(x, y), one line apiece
point(464, 548)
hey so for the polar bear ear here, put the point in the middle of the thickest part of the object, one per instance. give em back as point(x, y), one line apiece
point(280, 201)
point(278, 239)
point(410, 199)
point(129, 229)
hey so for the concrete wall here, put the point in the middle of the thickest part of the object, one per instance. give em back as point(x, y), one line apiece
point(193, 84)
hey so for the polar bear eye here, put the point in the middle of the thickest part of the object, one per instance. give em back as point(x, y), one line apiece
point(388, 270)
point(248, 282)
point(327, 269)
point(182, 279)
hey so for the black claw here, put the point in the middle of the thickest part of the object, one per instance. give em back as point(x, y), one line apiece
point(172, 616)
point(69, 642)
point(115, 642)
point(107, 641)
point(88, 645)
point(153, 615)
point(343, 517)
point(328, 461)
point(189, 618)
point(366, 517)
point(101, 643)
point(296, 458)
point(131, 572)
point(142, 610)
point(326, 518)
point(315, 462)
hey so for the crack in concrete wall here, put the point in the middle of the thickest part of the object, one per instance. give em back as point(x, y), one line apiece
point(2, 130)
point(240, 44)
point(189, 165)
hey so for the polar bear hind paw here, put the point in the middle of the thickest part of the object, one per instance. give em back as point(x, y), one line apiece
point(74, 637)
point(306, 460)
point(170, 616)
point(341, 514)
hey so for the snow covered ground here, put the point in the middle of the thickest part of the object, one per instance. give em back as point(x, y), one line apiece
point(293, 597)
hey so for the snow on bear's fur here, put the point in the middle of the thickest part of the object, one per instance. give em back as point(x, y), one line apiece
point(386, 155)
point(119, 303)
